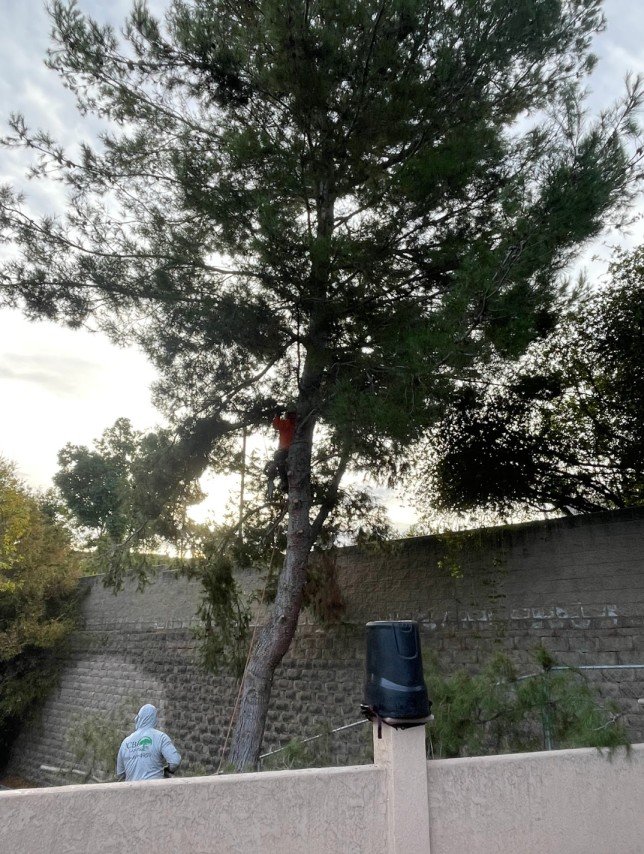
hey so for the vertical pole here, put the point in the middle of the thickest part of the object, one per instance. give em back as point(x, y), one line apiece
point(241, 489)
point(401, 752)
point(545, 711)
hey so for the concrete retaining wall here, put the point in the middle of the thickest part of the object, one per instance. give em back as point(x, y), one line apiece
point(576, 585)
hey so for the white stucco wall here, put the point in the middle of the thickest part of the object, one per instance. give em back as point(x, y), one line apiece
point(572, 801)
point(330, 811)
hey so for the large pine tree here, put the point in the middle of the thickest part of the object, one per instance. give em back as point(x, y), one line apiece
point(339, 204)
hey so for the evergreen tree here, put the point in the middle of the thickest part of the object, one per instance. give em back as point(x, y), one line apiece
point(326, 203)
point(498, 711)
point(563, 430)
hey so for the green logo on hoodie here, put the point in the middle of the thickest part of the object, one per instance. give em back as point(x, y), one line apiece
point(145, 741)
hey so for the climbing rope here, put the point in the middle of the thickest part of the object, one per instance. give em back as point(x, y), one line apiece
point(241, 682)
point(241, 488)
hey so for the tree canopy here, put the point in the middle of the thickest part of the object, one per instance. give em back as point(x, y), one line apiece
point(38, 578)
point(125, 497)
point(343, 207)
point(563, 430)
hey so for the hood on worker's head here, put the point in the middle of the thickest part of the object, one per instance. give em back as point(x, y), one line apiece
point(147, 717)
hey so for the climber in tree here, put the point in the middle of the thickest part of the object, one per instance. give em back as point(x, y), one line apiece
point(285, 424)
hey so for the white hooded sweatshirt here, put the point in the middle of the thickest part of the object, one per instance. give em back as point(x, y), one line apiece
point(144, 753)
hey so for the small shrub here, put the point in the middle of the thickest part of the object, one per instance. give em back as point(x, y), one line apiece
point(95, 738)
point(496, 712)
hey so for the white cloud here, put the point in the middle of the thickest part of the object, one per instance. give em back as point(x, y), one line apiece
point(60, 375)
point(59, 385)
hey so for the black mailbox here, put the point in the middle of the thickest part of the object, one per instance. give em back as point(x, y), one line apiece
point(395, 690)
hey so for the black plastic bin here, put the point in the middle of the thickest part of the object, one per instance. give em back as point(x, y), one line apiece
point(395, 690)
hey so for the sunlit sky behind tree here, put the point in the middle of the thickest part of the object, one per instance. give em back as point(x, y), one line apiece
point(59, 385)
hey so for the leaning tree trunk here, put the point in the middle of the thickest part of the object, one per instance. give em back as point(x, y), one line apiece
point(276, 636)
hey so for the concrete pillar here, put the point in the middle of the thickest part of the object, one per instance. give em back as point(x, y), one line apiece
point(402, 753)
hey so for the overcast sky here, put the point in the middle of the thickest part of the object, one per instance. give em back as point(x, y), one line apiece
point(58, 385)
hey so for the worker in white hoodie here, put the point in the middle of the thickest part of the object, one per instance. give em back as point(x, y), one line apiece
point(144, 754)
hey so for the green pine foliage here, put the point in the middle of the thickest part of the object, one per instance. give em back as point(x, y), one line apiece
point(494, 711)
point(94, 739)
point(346, 207)
point(341, 186)
point(562, 430)
point(224, 611)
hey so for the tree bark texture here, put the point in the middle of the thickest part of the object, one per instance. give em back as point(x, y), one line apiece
point(276, 636)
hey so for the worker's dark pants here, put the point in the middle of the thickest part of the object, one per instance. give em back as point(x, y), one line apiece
point(277, 468)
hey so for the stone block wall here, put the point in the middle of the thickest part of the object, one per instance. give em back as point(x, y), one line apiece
point(575, 585)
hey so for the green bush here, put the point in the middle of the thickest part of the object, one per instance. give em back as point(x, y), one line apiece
point(495, 711)
point(38, 582)
point(95, 738)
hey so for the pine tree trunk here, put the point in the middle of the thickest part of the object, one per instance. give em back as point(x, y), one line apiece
point(276, 636)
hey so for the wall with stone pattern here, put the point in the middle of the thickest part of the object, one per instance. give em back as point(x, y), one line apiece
point(575, 584)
